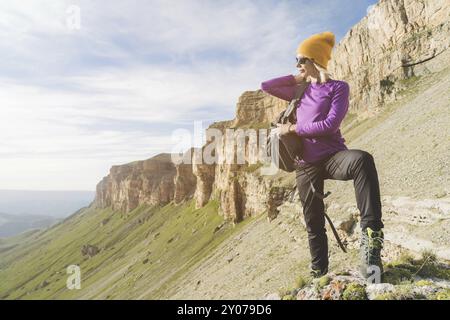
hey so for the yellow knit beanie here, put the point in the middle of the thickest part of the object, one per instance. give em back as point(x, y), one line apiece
point(318, 48)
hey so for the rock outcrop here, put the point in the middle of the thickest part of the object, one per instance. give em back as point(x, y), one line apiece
point(407, 278)
point(205, 179)
point(396, 40)
point(89, 250)
point(257, 109)
point(185, 181)
point(153, 181)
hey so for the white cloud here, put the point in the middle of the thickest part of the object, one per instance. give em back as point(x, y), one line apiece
point(161, 63)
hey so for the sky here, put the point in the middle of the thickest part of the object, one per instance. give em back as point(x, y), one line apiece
point(85, 85)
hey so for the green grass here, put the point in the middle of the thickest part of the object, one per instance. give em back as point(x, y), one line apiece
point(185, 236)
point(323, 281)
point(402, 292)
point(354, 291)
point(406, 268)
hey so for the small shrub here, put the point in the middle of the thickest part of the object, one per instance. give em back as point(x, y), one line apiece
point(428, 256)
point(428, 266)
point(406, 267)
point(354, 291)
point(406, 257)
point(300, 282)
point(423, 283)
point(442, 295)
point(403, 292)
point(386, 85)
point(396, 275)
point(284, 292)
point(323, 281)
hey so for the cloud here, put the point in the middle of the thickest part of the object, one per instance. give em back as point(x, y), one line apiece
point(74, 102)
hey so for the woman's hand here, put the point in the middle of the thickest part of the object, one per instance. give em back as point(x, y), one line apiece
point(286, 128)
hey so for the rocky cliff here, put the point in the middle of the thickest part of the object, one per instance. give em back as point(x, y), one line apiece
point(397, 40)
point(153, 181)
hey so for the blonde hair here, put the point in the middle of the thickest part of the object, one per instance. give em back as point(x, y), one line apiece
point(324, 75)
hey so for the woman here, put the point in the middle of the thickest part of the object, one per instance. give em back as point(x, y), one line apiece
point(325, 156)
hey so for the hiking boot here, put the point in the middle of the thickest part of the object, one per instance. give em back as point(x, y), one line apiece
point(316, 273)
point(370, 252)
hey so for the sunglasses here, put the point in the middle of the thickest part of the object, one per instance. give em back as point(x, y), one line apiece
point(301, 60)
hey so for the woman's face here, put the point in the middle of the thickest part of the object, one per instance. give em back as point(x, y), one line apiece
point(306, 67)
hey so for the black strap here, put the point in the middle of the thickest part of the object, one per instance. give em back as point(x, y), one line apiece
point(300, 91)
point(292, 107)
point(336, 235)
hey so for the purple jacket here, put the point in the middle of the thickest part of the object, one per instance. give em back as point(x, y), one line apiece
point(319, 114)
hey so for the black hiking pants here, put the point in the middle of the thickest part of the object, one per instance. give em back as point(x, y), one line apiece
point(343, 165)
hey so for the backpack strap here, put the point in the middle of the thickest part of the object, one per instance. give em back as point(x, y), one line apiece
point(300, 91)
point(292, 107)
point(336, 235)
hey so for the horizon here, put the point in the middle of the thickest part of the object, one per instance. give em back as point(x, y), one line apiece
point(54, 203)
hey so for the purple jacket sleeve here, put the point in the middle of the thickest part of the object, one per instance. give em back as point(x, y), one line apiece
point(282, 87)
point(338, 110)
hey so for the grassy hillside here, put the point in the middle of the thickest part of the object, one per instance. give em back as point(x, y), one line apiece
point(140, 253)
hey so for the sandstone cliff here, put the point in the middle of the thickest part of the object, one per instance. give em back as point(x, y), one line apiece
point(390, 44)
point(153, 181)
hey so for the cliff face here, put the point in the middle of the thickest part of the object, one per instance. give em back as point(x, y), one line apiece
point(256, 108)
point(153, 181)
point(390, 44)
point(395, 41)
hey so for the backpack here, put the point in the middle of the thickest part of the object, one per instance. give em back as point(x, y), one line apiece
point(285, 150)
